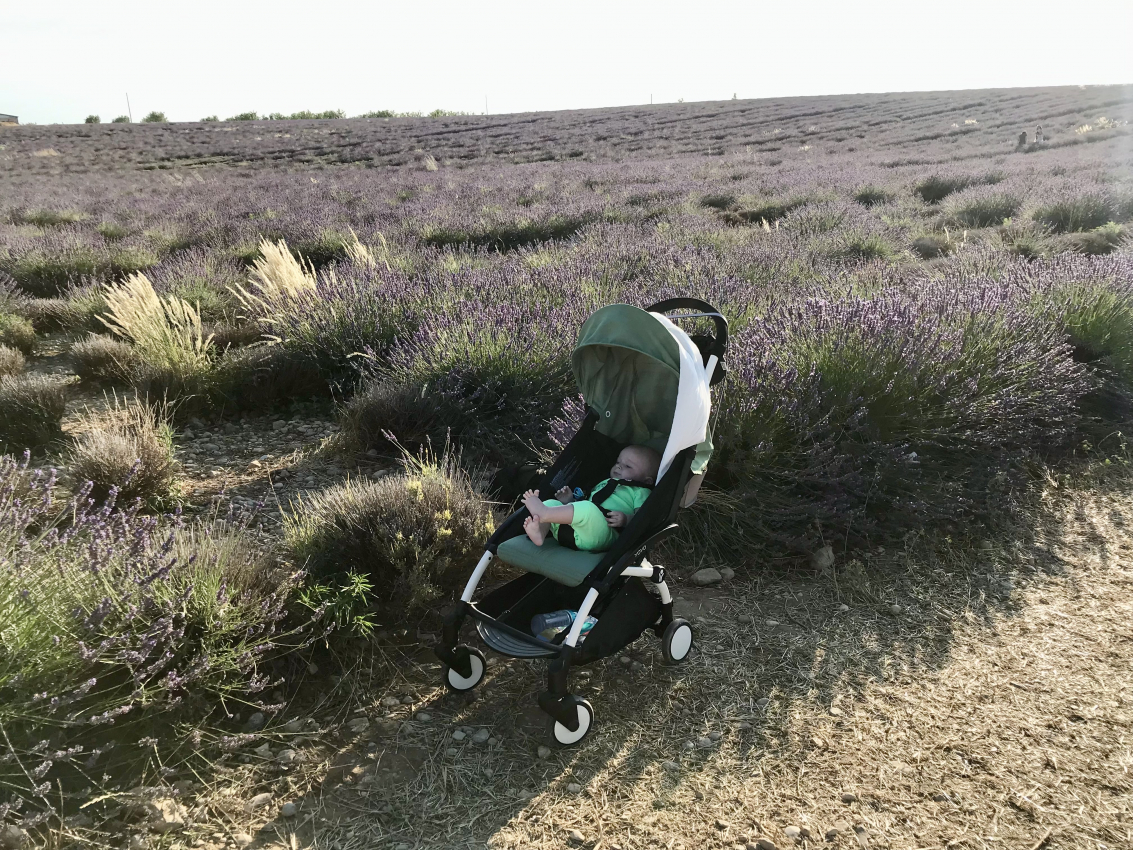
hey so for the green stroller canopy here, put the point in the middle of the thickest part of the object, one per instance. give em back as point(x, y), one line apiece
point(645, 379)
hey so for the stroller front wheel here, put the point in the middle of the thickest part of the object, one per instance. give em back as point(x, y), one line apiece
point(677, 641)
point(561, 736)
point(456, 680)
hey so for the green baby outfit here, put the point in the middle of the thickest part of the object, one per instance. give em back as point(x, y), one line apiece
point(591, 531)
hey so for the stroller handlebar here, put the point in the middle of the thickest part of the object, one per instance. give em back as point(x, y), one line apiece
point(704, 310)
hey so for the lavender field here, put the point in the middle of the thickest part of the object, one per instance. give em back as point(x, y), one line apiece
point(223, 336)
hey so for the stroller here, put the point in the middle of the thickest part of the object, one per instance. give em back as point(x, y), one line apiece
point(645, 381)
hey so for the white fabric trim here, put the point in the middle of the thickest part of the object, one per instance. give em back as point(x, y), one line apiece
point(694, 401)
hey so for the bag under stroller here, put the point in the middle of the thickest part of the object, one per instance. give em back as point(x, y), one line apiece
point(645, 382)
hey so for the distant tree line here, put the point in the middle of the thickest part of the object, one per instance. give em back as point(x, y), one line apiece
point(303, 115)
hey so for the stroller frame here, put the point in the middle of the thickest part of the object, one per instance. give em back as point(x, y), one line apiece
point(618, 575)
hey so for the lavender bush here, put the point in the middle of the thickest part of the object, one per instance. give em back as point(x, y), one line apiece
point(111, 618)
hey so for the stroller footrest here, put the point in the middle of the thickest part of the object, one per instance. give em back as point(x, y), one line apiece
point(504, 643)
point(558, 563)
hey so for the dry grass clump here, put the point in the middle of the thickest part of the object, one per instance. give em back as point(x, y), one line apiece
point(31, 411)
point(11, 361)
point(166, 330)
point(130, 449)
point(278, 277)
point(363, 255)
point(415, 535)
point(17, 332)
point(101, 358)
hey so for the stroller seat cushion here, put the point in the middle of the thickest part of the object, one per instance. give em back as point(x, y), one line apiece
point(558, 563)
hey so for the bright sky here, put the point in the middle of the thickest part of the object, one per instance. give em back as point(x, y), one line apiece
point(62, 60)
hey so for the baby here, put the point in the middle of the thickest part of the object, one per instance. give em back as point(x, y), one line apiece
point(593, 524)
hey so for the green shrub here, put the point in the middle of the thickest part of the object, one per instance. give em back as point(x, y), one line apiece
point(155, 117)
point(508, 236)
point(263, 377)
point(112, 231)
point(17, 332)
point(92, 119)
point(210, 119)
point(121, 119)
point(933, 245)
point(870, 196)
point(234, 334)
point(77, 311)
point(1026, 240)
point(379, 113)
point(864, 247)
point(446, 113)
point(46, 274)
point(1084, 212)
point(50, 218)
point(1101, 240)
point(104, 359)
point(130, 448)
point(1098, 320)
point(31, 411)
point(987, 211)
point(244, 116)
point(11, 361)
point(718, 202)
point(328, 247)
point(413, 535)
point(768, 211)
point(413, 415)
point(935, 189)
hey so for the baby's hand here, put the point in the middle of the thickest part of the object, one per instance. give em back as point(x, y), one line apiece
point(616, 519)
point(565, 495)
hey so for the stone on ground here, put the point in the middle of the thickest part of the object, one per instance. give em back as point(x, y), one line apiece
point(166, 815)
point(288, 810)
point(823, 559)
point(706, 577)
point(259, 801)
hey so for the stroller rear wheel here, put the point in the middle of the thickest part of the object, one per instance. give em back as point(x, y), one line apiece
point(677, 641)
point(561, 736)
point(456, 680)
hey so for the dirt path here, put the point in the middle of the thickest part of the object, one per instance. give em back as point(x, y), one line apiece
point(992, 708)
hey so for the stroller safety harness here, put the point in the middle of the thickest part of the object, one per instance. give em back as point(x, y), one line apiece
point(645, 382)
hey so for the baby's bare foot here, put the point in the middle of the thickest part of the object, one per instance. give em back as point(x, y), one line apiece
point(534, 530)
point(532, 502)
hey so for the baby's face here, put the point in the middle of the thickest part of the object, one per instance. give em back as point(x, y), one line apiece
point(631, 466)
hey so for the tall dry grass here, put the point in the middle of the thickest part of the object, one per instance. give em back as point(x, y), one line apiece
point(166, 330)
point(277, 278)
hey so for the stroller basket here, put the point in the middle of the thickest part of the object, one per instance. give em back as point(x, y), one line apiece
point(501, 641)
